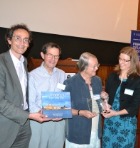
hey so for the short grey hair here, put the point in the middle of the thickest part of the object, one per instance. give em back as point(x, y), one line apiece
point(83, 60)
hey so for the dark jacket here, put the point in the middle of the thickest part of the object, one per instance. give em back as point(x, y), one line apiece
point(79, 127)
point(129, 93)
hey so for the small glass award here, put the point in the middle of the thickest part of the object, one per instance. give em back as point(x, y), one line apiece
point(93, 105)
point(104, 103)
point(89, 103)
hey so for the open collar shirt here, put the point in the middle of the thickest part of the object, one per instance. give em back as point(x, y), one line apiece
point(40, 80)
point(23, 80)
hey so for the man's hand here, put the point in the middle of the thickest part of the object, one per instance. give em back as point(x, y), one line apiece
point(56, 119)
point(38, 117)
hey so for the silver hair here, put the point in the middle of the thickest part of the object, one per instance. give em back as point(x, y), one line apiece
point(83, 60)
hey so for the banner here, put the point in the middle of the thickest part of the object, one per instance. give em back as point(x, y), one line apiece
point(135, 40)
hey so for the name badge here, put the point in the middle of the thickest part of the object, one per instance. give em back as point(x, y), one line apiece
point(129, 92)
point(61, 86)
point(96, 97)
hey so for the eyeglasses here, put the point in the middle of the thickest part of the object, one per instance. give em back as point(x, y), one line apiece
point(95, 66)
point(18, 39)
point(124, 60)
point(52, 56)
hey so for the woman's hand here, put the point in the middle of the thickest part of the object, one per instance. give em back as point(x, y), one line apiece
point(110, 113)
point(87, 114)
point(104, 95)
point(104, 101)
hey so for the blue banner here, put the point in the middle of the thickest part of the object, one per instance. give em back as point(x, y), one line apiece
point(135, 40)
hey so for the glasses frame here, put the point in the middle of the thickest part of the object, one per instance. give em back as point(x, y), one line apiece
point(124, 60)
point(95, 66)
point(18, 39)
point(53, 56)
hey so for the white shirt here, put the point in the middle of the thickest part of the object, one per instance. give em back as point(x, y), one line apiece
point(95, 108)
point(19, 66)
point(40, 80)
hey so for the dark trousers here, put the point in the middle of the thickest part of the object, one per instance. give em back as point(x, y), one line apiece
point(23, 137)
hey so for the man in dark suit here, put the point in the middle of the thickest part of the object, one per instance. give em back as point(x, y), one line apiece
point(14, 116)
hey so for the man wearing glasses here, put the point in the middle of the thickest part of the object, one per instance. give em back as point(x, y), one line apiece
point(47, 77)
point(14, 116)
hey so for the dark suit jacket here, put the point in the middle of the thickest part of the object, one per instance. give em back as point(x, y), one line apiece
point(129, 93)
point(12, 115)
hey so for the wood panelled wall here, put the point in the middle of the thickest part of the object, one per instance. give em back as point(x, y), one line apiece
point(138, 18)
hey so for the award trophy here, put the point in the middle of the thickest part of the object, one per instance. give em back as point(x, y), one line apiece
point(89, 103)
point(105, 105)
point(93, 105)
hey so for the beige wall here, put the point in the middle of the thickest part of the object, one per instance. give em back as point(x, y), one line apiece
point(97, 19)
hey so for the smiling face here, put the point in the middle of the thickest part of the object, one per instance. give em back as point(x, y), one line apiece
point(19, 42)
point(124, 62)
point(92, 67)
point(50, 58)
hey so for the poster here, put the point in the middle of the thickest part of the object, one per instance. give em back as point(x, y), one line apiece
point(135, 40)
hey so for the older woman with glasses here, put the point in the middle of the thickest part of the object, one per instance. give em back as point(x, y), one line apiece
point(84, 129)
point(123, 88)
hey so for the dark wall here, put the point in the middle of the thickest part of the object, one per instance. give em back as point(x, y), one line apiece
point(106, 51)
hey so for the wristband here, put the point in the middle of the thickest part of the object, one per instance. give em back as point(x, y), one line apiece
point(78, 112)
